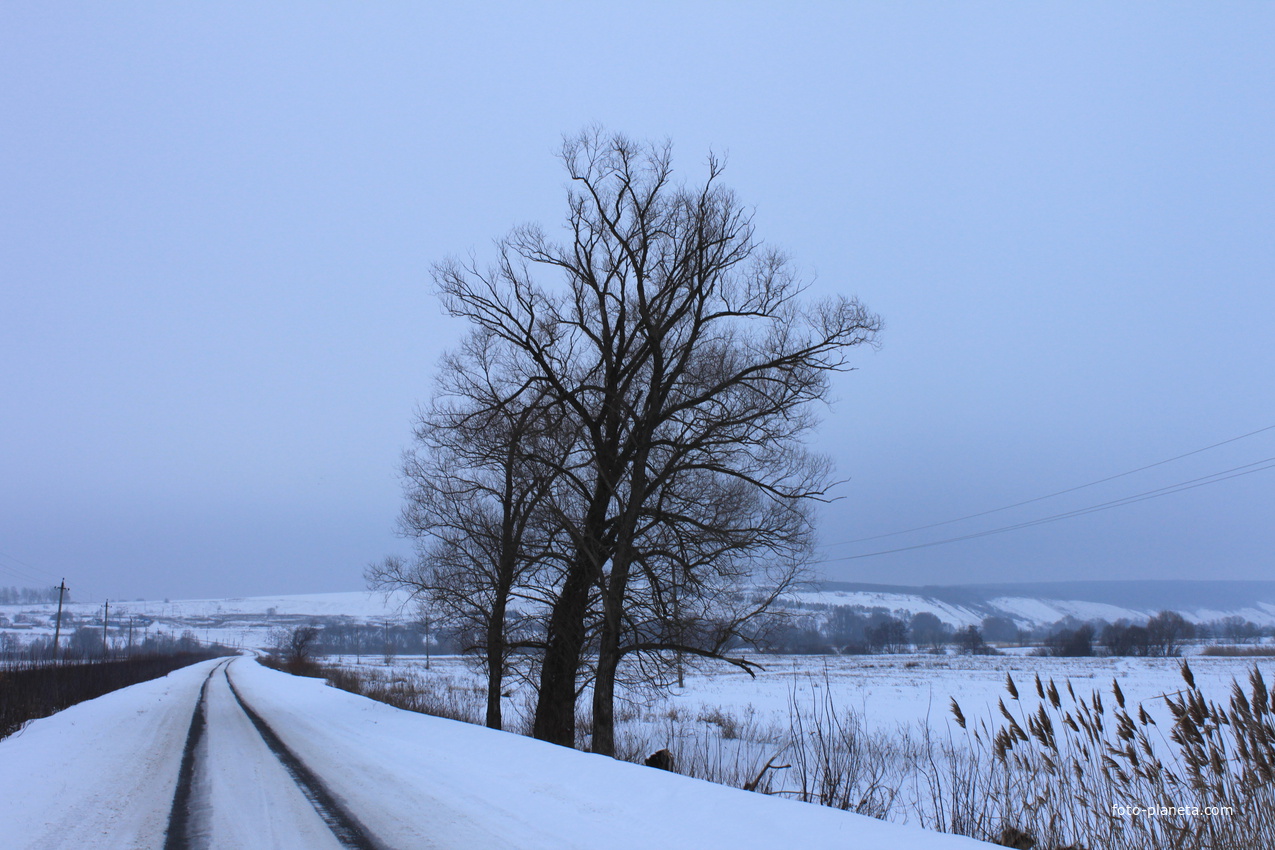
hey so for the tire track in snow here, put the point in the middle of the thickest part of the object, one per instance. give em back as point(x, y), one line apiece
point(187, 827)
point(344, 825)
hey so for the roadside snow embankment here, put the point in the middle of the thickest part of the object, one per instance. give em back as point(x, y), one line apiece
point(419, 781)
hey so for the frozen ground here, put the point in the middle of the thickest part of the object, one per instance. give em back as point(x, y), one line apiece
point(103, 774)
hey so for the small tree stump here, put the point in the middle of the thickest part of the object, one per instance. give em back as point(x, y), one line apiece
point(662, 759)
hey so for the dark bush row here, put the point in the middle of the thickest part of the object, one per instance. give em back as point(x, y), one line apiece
point(30, 690)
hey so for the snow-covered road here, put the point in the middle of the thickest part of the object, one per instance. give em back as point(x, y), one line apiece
point(106, 774)
point(246, 790)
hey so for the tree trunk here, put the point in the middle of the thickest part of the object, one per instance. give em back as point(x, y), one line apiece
point(495, 680)
point(609, 653)
point(555, 720)
point(614, 595)
point(495, 662)
point(604, 684)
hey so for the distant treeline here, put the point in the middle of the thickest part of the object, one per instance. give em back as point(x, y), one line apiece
point(855, 630)
point(86, 643)
point(30, 595)
point(380, 639)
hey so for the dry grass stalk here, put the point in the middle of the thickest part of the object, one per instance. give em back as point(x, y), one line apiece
point(1073, 780)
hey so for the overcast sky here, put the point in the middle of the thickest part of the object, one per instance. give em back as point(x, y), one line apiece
point(217, 223)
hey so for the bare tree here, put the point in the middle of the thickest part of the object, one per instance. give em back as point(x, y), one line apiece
point(1167, 631)
point(476, 484)
point(969, 640)
point(686, 360)
point(295, 647)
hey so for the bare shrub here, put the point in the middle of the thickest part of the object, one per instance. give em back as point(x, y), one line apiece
point(727, 723)
point(701, 748)
point(438, 695)
point(31, 690)
point(294, 649)
point(835, 761)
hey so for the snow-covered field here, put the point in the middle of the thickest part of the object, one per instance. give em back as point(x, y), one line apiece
point(892, 728)
point(102, 774)
point(893, 690)
point(360, 604)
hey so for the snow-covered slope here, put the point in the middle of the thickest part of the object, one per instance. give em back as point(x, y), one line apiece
point(952, 613)
point(1043, 603)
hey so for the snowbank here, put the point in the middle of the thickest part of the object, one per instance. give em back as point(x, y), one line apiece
point(418, 780)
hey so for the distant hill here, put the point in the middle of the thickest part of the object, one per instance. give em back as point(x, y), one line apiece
point(1038, 603)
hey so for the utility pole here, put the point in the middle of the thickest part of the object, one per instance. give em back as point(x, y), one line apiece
point(57, 629)
point(106, 622)
point(130, 636)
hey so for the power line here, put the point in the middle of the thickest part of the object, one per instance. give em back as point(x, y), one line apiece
point(18, 574)
point(1216, 477)
point(37, 576)
point(1048, 495)
point(26, 572)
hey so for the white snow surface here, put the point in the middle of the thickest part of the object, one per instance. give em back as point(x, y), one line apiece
point(102, 774)
point(954, 615)
point(1026, 610)
point(1029, 611)
point(1043, 611)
